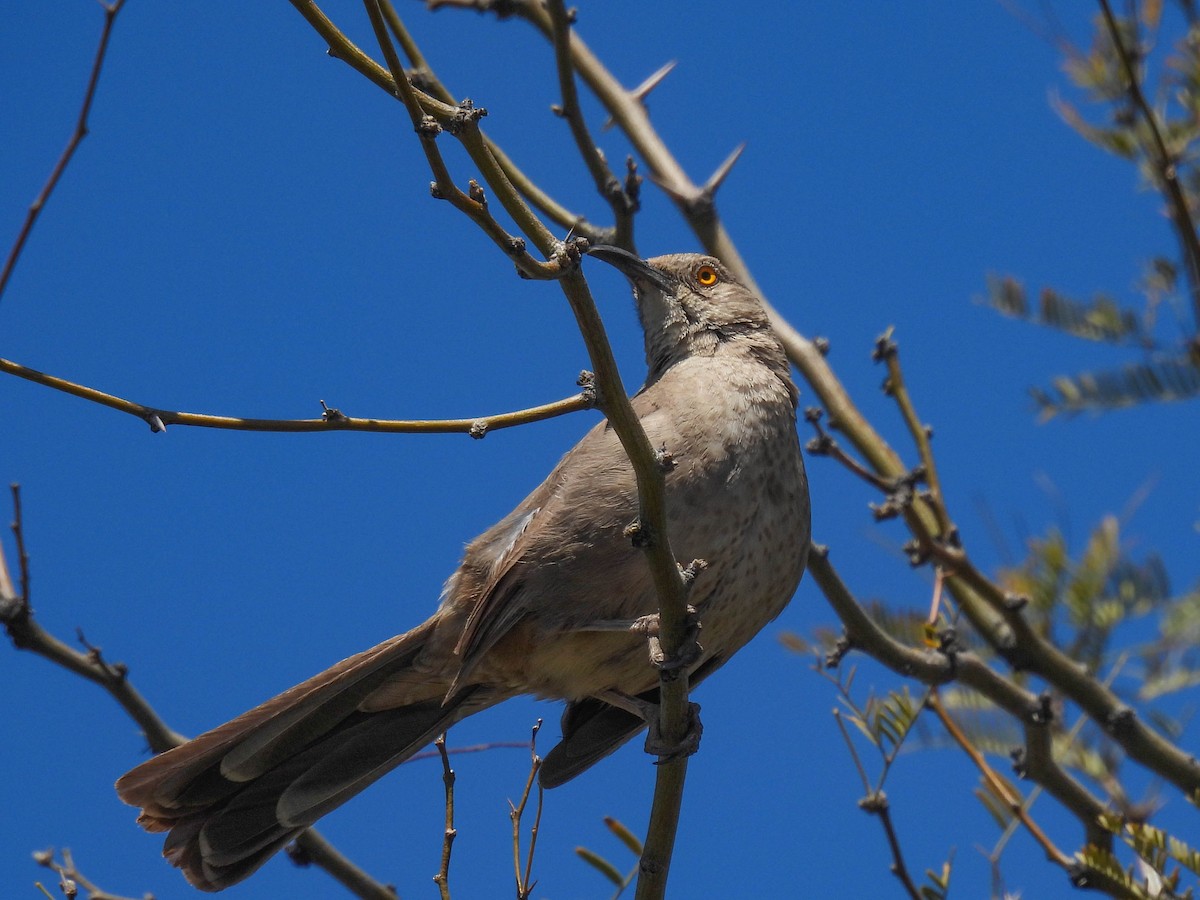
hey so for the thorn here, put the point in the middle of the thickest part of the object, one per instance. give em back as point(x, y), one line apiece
point(642, 91)
point(718, 177)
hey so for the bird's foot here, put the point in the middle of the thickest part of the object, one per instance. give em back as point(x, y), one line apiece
point(689, 651)
point(670, 751)
point(656, 744)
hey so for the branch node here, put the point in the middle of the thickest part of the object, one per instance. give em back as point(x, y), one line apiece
point(874, 803)
point(479, 429)
point(1015, 602)
point(1020, 763)
point(885, 348)
point(466, 116)
point(587, 381)
point(1043, 714)
point(428, 127)
point(918, 553)
point(332, 413)
point(1121, 721)
point(834, 657)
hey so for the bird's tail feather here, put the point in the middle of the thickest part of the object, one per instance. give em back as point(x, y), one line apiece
point(235, 795)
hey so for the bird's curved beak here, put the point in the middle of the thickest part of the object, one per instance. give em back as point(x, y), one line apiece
point(633, 267)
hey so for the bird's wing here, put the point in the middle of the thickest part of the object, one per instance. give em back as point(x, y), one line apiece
point(559, 514)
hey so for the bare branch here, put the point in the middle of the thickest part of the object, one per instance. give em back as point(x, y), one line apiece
point(424, 77)
point(312, 848)
point(331, 420)
point(71, 879)
point(607, 184)
point(81, 130)
point(517, 810)
point(442, 878)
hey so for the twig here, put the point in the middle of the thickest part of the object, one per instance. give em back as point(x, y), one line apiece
point(312, 848)
point(1037, 762)
point(541, 201)
point(1164, 164)
point(858, 763)
point(1029, 650)
point(474, 202)
point(887, 351)
point(524, 885)
point(18, 530)
point(442, 878)
point(331, 420)
point(70, 878)
point(877, 805)
point(462, 120)
point(997, 786)
point(825, 445)
point(875, 802)
point(81, 130)
point(934, 667)
point(607, 184)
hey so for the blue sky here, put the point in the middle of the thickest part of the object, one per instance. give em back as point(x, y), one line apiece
point(247, 230)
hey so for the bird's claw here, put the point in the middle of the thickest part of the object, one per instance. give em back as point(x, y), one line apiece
point(671, 751)
point(690, 650)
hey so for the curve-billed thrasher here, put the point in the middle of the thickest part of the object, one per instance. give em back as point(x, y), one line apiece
point(543, 601)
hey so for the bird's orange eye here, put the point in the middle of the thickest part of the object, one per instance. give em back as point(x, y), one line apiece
point(707, 276)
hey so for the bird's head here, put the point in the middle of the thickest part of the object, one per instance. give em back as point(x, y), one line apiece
point(691, 305)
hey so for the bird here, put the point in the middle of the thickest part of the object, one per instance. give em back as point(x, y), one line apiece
point(551, 601)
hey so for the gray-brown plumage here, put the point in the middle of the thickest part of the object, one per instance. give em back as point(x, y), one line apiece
point(542, 602)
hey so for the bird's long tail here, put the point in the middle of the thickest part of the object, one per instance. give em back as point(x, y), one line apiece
point(235, 795)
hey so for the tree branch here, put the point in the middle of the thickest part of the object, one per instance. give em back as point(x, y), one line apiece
point(1164, 164)
point(331, 420)
point(81, 130)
